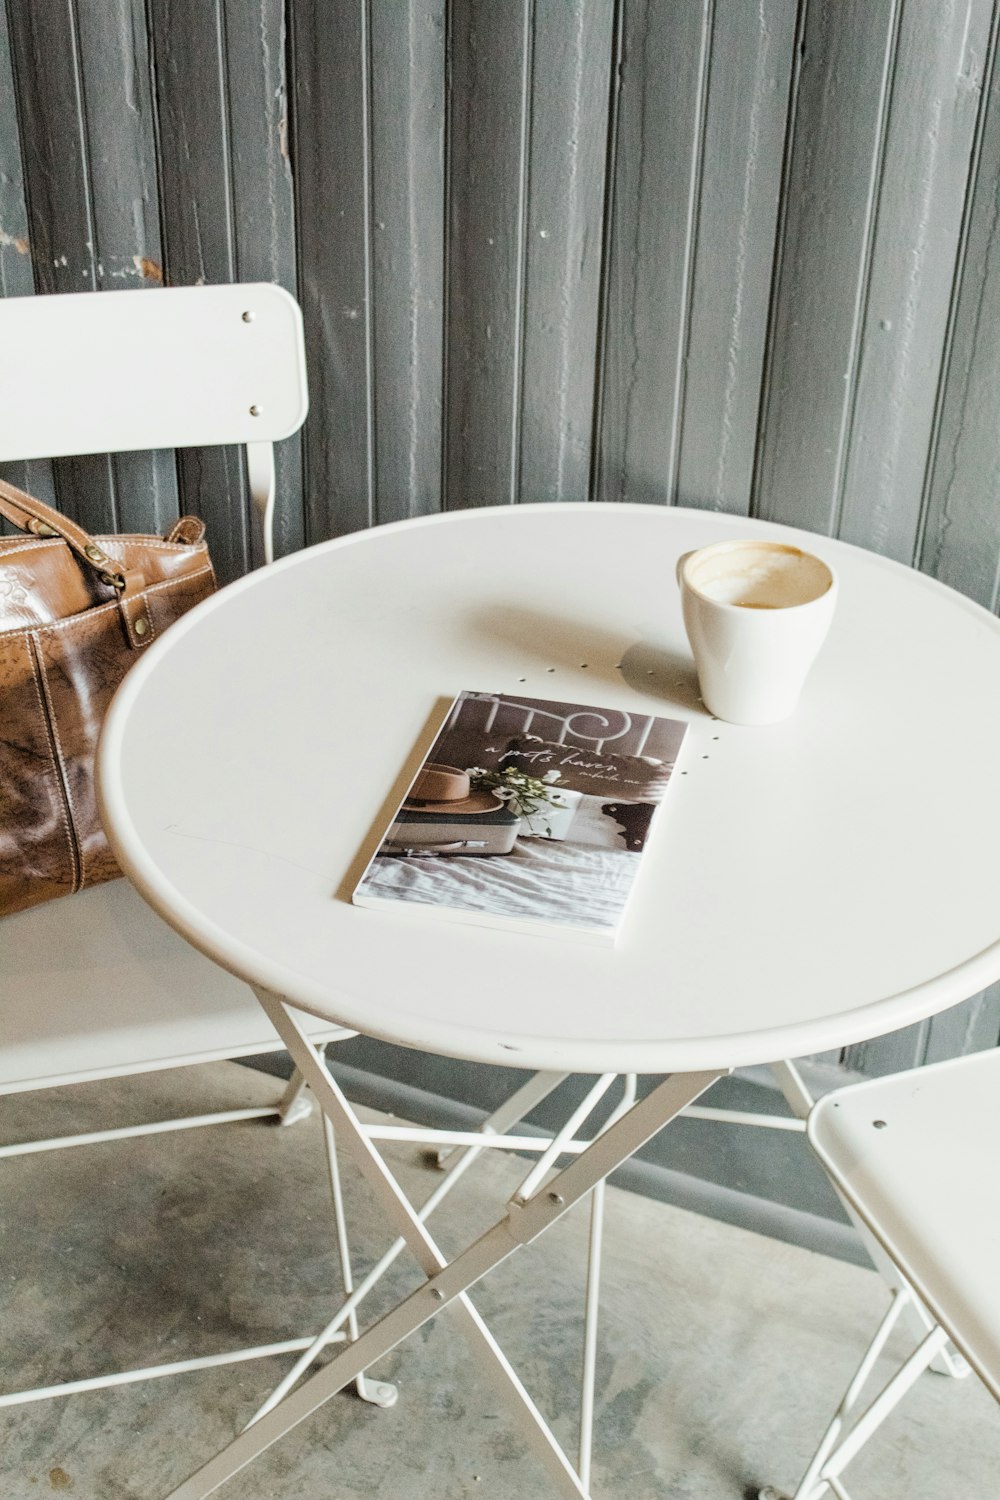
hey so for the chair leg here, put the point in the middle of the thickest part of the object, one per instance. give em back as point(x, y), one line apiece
point(839, 1456)
point(296, 1102)
point(849, 1400)
point(844, 1438)
point(378, 1392)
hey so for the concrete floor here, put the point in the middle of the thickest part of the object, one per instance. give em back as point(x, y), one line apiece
point(722, 1353)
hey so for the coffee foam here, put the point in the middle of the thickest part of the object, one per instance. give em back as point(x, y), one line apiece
point(757, 576)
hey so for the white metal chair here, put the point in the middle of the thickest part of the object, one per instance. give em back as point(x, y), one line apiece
point(914, 1155)
point(133, 371)
point(115, 372)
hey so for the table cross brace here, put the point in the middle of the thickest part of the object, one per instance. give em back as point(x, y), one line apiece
point(448, 1281)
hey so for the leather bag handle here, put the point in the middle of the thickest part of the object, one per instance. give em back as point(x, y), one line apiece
point(34, 516)
point(39, 519)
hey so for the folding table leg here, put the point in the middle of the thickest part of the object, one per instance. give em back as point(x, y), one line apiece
point(591, 1310)
point(510, 1113)
point(447, 1282)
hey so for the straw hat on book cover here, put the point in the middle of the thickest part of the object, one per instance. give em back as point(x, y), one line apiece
point(446, 789)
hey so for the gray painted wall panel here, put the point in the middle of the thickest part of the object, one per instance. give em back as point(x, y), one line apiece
point(748, 87)
point(54, 148)
point(329, 68)
point(16, 277)
point(658, 135)
point(739, 255)
point(263, 209)
point(840, 114)
point(16, 269)
point(191, 63)
point(922, 190)
point(188, 52)
point(121, 164)
point(961, 541)
point(126, 249)
point(47, 65)
point(408, 210)
point(971, 1027)
point(489, 143)
point(570, 91)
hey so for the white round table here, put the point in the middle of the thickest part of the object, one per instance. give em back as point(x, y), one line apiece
point(809, 885)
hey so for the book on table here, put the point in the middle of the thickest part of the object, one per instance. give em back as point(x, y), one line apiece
point(526, 813)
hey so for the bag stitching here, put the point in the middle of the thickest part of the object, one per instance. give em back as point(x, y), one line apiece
point(154, 544)
point(29, 546)
point(95, 609)
point(55, 749)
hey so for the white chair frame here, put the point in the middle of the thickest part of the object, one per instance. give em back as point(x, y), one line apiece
point(902, 1151)
point(116, 372)
point(187, 367)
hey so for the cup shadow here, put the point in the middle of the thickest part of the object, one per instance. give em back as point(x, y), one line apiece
point(545, 645)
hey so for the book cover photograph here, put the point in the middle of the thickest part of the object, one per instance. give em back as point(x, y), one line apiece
point(528, 814)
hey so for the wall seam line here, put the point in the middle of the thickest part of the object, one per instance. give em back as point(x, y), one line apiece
point(777, 267)
point(863, 297)
point(990, 63)
point(594, 480)
point(367, 188)
point(691, 257)
point(523, 197)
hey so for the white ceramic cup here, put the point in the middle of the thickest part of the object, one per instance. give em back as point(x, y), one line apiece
point(756, 614)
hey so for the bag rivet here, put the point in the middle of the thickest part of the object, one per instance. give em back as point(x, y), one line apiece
point(94, 553)
point(141, 626)
point(255, 411)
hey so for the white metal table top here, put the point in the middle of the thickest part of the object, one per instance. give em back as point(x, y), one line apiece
point(810, 884)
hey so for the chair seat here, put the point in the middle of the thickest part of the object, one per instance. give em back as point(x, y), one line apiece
point(915, 1155)
point(96, 985)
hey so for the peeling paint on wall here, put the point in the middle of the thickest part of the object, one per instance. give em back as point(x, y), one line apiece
point(148, 268)
point(19, 243)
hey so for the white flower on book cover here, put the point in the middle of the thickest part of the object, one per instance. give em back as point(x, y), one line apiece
point(534, 798)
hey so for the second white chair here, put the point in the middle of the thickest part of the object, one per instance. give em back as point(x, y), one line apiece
point(914, 1155)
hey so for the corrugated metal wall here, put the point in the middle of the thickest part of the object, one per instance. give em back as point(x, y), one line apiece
point(740, 255)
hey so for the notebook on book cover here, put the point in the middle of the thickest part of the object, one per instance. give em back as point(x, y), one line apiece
point(527, 814)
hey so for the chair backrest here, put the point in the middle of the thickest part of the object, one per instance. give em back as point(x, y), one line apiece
point(177, 367)
point(915, 1155)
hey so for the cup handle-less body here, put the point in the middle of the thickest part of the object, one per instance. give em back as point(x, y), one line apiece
point(752, 663)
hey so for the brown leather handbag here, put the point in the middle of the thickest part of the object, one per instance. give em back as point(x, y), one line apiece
point(75, 612)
